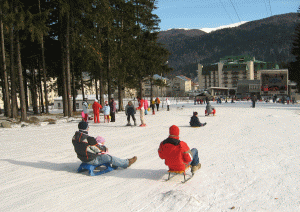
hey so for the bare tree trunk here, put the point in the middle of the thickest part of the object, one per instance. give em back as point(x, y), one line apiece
point(68, 73)
point(73, 88)
point(63, 53)
point(65, 92)
point(25, 80)
point(151, 88)
point(44, 70)
point(33, 92)
point(5, 88)
point(82, 86)
point(120, 95)
point(14, 102)
point(96, 87)
point(101, 88)
point(141, 88)
point(21, 83)
point(108, 77)
point(41, 92)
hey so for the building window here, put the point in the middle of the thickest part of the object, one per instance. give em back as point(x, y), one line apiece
point(58, 105)
point(77, 105)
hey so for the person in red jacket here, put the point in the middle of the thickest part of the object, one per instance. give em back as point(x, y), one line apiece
point(142, 111)
point(96, 109)
point(177, 154)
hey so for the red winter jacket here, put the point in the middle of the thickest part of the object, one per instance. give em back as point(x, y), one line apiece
point(96, 107)
point(176, 153)
point(141, 105)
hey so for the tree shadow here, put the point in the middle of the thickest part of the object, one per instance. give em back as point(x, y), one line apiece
point(72, 168)
point(69, 167)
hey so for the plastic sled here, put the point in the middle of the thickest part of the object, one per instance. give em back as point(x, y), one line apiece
point(91, 168)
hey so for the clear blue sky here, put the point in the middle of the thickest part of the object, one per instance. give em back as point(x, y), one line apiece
point(197, 14)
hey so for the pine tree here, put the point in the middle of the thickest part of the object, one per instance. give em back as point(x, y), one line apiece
point(5, 85)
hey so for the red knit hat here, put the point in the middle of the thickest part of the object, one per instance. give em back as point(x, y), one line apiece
point(174, 131)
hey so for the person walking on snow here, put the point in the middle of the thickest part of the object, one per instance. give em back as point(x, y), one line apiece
point(177, 154)
point(146, 105)
point(96, 109)
point(153, 106)
point(113, 110)
point(89, 151)
point(253, 99)
point(106, 112)
point(85, 108)
point(157, 102)
point(142, 111)
point(130, 111)
point(168, 104)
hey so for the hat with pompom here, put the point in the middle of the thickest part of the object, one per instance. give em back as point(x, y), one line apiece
point(100, 140)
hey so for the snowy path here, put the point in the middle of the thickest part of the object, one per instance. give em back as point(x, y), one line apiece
point(250, 161)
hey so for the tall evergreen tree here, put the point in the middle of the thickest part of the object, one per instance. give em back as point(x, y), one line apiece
point(5, 85)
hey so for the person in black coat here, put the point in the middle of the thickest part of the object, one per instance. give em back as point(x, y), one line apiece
point(253, 99)
point(130, 111)
point(89, 151)
point(195, 122)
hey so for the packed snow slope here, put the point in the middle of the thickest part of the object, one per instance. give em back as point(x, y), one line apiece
point(250, 162)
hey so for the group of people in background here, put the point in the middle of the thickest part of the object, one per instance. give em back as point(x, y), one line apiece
point(109, 110)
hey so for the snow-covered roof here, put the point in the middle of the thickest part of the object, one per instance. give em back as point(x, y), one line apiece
point(156, 76)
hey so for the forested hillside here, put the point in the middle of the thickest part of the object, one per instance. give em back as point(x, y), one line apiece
point(268, 39)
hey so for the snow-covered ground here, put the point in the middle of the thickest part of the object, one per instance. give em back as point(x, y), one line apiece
point(250, 162)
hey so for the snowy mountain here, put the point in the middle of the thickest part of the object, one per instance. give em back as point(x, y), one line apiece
point(208, 30)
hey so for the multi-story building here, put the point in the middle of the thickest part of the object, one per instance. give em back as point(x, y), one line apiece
point(230, 70)
point(180, 86)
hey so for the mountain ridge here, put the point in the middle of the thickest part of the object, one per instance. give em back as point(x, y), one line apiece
point(268, 39)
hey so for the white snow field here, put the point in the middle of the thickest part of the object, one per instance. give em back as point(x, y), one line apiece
point(250, 162)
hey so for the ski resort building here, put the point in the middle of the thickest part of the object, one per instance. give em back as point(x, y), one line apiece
point(230, 70)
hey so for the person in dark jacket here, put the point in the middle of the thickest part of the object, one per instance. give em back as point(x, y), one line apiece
point(253, 99)
point(89, 151)
point(130, 111)
point(195, 122)
point(113, 110)
point(177, 154)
